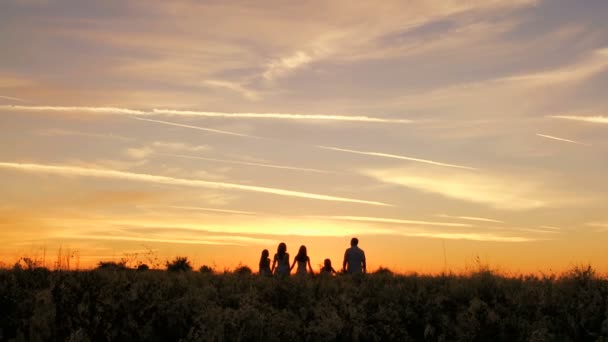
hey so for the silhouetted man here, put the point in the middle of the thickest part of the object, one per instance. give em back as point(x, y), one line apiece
point(354, 258)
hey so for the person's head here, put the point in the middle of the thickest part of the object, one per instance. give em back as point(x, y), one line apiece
point(354, 242)
point(265, 254)
point(282, 249)
point(302, 252)
point(327, 263)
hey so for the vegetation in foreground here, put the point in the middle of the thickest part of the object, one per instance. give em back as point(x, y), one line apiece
point(113, 303)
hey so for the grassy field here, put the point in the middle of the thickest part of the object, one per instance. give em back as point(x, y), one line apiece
point(128, 305)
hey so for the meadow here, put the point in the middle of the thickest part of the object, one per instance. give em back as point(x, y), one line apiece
point(116, 303)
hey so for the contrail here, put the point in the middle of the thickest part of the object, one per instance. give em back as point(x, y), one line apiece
point(388, 220)
point(280, 116)
point(561, 139)
point(112, 174)
point(100, 110)
point(593, 119)
point(394, 156)
point(199, 128)
point(244, 163)
point(172, 112)
point(213, 210)
point(472, 218)
point(12, 98)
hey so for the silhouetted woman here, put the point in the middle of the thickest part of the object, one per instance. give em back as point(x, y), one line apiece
point(280, 263)
point(327, 268)
point(265, 263)
point(302, 259)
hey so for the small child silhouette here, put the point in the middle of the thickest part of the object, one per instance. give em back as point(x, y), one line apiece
point(327, 268)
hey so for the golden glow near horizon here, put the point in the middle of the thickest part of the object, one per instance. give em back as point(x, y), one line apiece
point(436, 133)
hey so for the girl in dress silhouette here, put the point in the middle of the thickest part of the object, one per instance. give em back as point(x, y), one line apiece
point(265, 263)
point(327, 268)
point(280, 263)
point(302, 259)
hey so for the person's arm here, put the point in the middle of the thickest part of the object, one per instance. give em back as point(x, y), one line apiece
point(274, 262)
point(310, 266)
point(344, 262)
point(292, 264)
point(333, 271)
point(363, 264)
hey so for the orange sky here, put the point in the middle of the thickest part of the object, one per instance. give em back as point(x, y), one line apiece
point(438, 133)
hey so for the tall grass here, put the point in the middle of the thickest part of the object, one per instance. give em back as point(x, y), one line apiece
point(123, 304)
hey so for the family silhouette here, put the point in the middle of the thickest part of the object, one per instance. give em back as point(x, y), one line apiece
point(353, 263)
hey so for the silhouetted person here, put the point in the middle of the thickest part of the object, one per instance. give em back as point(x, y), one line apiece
point(327, 268)
point(354, 258)
point(302, 259)
point(265, 263)
point(280, 263)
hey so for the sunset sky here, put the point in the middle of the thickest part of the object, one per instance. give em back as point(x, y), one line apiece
point(437, 132)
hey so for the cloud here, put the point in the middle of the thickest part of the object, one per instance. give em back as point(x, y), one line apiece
point(280, 116)
point(198, 128)
point(284, 167)
point(139, 153)
point(495, 190)
point(236, 87)
point(176, 146)
point(560, 139)
point(471, 236)
point(111, 174)
point(213, 210)
point(190, 113)
point(282, 66)
point(11, 98)
point(72, 109)
point(471, 218)
point(394, 156)
point(57, 132)
point(592, 119)
point(398, 221)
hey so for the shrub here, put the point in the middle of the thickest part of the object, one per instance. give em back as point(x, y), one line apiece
point(206, 269)
point(179, 264)
point(243, 270)
point(112, 265)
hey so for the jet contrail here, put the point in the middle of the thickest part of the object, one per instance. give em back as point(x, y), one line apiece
point(394, 156)
point(172, 112)
point(213, 210)
point(12, 98)
point(388, 220)
point(593, 119)
point(280, 116)
point(561, 139)
point(199, 128)
point(100, 110)
point(244, 163)
point(472, 218)
point(112, 174)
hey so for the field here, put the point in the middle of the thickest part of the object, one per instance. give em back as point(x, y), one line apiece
point(153, 305)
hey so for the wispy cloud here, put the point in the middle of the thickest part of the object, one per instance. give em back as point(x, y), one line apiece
point(560, 139)
point(57, 132)
point(11, 98)
point(72, 109)
point(398, 221)
point(600, 226)
point(394, 156)
point(471, 236)
point(245, 163)
point(236, 87)
point(281, 66)
point(280, 116)
point(100, 173)
point(471, 218)
point(550, 227)
point(212, 210)
point(592, 119)
point(212, 130)
point(177, 146)
point(500, 191)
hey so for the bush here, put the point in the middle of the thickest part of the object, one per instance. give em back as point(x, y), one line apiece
point(179, 264)
point(206, 269)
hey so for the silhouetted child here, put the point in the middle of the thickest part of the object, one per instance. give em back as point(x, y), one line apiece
point(265, 263)
point(280, 263)
point(302, 259)
point(327, 269)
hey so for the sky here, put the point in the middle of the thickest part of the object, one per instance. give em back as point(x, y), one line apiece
point(442, 134)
